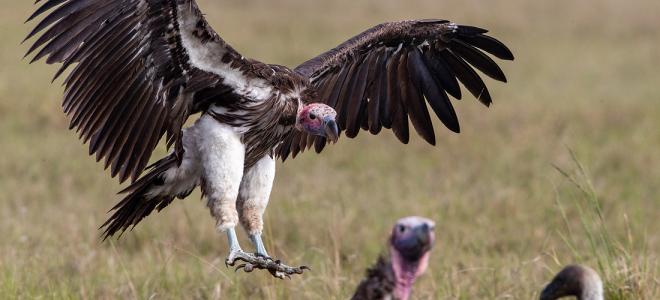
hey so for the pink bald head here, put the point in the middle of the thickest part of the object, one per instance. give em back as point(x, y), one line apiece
point(411, 240)
point(318, 119)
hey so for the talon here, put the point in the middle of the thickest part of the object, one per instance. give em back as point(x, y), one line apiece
point(248, 268)
point(251, 262)
point(239, 267)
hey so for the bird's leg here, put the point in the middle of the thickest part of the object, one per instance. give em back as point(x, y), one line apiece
point(252, 200)
point(258, 245)
point(235, 251)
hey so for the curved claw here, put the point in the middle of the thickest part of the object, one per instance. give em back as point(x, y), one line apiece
point(277, 274)
point(239, 267)
point(248, 268)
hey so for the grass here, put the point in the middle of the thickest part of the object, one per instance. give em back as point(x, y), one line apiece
point(627, 273)
point(507, 219)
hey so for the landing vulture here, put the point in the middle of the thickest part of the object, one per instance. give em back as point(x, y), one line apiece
point(138, 69)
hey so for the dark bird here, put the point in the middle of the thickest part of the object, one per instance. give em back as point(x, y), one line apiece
point(393, 276)
point(575, 280)
point(138, 69)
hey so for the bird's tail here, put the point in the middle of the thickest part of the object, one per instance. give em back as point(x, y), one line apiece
point(165, 181)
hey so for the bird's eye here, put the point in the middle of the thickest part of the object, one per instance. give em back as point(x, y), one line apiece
point(402, 228)
point(312, 116)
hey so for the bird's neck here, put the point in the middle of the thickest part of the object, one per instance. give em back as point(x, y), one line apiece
point(592, 290)
point(406, 272)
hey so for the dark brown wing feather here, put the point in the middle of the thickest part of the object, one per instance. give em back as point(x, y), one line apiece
point(379, 282)
point(385, 76)
point(133, 79)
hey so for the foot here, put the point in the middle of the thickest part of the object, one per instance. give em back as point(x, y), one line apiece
point(252, 262)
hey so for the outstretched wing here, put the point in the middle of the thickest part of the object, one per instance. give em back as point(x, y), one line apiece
point(141, 68)
point(384, 77)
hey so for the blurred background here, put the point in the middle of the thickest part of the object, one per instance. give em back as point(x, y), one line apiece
point(565, 167)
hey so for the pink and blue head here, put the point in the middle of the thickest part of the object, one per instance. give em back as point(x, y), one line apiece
point(318, 119)
point(410, 243)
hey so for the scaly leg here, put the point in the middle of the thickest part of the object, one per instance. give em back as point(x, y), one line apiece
point(252, 200)
point(235, 251)
point(258, 245)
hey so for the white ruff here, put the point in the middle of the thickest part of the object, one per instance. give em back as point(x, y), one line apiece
point(208, 57)
point(593, 289)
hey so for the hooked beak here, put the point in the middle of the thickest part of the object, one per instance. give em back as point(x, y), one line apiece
point(331, 129)
point(423, 234)
point(417, 244)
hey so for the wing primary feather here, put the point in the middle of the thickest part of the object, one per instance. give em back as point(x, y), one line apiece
point(131, 137)
point(413, 97)
point(108, 94)
point(344, 96)
point(490, 45)
point(70, 27)
point(337, 88)
point(122, 134)
point(442, 73)
point(107, 136)
point(399, 72)
point(468, 77)
point(43, 8)
point(479, 60)
point(95, 84)
point(376, 71)
point(391, 88)
point(357, 101)
point(56, 14)
point(438, 100)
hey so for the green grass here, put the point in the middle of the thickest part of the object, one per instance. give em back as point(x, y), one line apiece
point(585, 78)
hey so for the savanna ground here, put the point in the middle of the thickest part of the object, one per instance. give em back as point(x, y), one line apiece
point(511, 201)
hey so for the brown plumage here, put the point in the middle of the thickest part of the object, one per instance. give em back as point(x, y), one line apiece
point(384, 77)
point(379, 282)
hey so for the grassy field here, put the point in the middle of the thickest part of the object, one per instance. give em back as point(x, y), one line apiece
point(564, 168)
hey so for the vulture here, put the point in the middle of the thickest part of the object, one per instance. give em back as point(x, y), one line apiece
point(574, 280)
point(393, 276)
point(135, 71)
